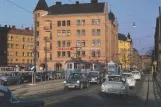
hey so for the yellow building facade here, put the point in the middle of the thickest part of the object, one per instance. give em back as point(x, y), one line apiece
point(20, 43)
point(124, 50)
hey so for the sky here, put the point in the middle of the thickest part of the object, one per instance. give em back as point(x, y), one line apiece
point(142, 12)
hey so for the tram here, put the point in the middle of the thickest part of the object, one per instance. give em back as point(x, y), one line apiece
point(113, 68)
point(77, 65)
point(97, 66)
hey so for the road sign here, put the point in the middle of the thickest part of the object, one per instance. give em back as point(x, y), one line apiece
point(155, 62)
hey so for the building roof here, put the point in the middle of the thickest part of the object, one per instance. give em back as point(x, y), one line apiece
point(21, 32)
point(122, 37)
point(41, 5)
point(111, 16)
point(76, 8)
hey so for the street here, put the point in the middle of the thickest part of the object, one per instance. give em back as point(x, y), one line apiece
point(92, 97)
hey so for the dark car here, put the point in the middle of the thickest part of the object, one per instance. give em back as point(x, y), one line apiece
point(95, 77)
point(76, 80)
point(7, 99)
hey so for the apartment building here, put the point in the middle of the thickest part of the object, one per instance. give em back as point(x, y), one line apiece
point(18, 46)
point(66, 30)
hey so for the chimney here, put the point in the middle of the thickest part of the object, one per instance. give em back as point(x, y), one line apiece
point(14, 27)
point(27, 29)
point(94, 1)
point(58, 3)
point(77, 2)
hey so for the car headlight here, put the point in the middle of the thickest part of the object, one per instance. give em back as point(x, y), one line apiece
point(95, 77)
point(102, 86)
point(78, 81)
point(65, 82)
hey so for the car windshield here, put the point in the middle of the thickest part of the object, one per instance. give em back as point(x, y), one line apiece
point(126, 75)
point(114, 78)
point(75, 76)
point(135, 72)
point(93, 74)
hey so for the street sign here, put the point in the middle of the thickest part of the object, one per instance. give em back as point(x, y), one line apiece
point(155, 62)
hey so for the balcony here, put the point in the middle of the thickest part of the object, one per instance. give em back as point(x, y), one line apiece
point(47, 39)
point(47, 28)
point(47, 49)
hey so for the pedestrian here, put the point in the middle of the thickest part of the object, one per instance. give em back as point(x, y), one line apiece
point(154, 76)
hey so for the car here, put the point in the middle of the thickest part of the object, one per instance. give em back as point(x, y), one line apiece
point(136, 75)
point(7, 99)
point(129, 79)
point(115, 84)
point(76, 80)
point(95, 77)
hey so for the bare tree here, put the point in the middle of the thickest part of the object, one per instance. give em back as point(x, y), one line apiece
point(150, 52)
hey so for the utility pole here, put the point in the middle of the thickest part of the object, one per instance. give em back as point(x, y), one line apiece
point(35, 50)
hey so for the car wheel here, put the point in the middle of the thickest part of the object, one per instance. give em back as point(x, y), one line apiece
point(18, 82)
point(81, 86)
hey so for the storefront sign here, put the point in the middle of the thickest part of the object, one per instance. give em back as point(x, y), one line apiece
point(65, 48)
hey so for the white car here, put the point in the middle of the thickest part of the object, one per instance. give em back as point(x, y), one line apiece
point(129, 79)
point(115, 84)
point(136, 75)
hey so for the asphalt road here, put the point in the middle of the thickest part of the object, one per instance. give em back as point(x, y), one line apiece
point(92, 97)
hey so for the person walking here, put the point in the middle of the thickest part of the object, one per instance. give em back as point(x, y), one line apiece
point(154, 76)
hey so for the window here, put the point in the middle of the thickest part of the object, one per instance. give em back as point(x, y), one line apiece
point(11, 45)
point(28, 39)
point(68, 43)
point(83, 22)
point(93, 32)
point(31, 61)
point(51, 26)
point(23, 53)
point(32, 40)
point(16, 60)
point(63, 23)
point(98, 21)
point(28, 53)
point(78, 32)
point(16, 53)
point(83, 53)
point(68, 32)
point(78, 22)
point(93, 43)
point(83, 32)
point(68, 53)
point(23, 39)
point(63, 53)
point(58, 33)
point(58, 43)
point(28, 61)
point(98, 43)
point(16, 38)
point(50, 56)
point(38, 15)
point(58, 54)
point(59, 23)
point(31, 54)
point(78, 53)
point(68, 22)
point(37, 54)
point(98, 32)
point(93, 54)
point(63, 33)
point(50, 35)
point(23, 60)
point(98, 53)
point(37, 43)
point(16, 45)
point(37, 23)
point(50, 46)
point(78, 43)
point(37, 33)
point(93, 21)
point(63, 43)
point(83, 43)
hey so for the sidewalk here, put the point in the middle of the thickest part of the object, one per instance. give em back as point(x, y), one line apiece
point(25, 90)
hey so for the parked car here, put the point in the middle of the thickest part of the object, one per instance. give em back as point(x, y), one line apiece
point(130, 79)
point(7, 99)
point(76, 80)
point(115, 84)
point(95, 77)
point(137, 75)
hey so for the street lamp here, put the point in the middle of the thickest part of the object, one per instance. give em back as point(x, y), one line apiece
point(134, 25)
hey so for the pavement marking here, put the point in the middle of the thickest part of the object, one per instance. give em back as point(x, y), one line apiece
point(70, 96)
